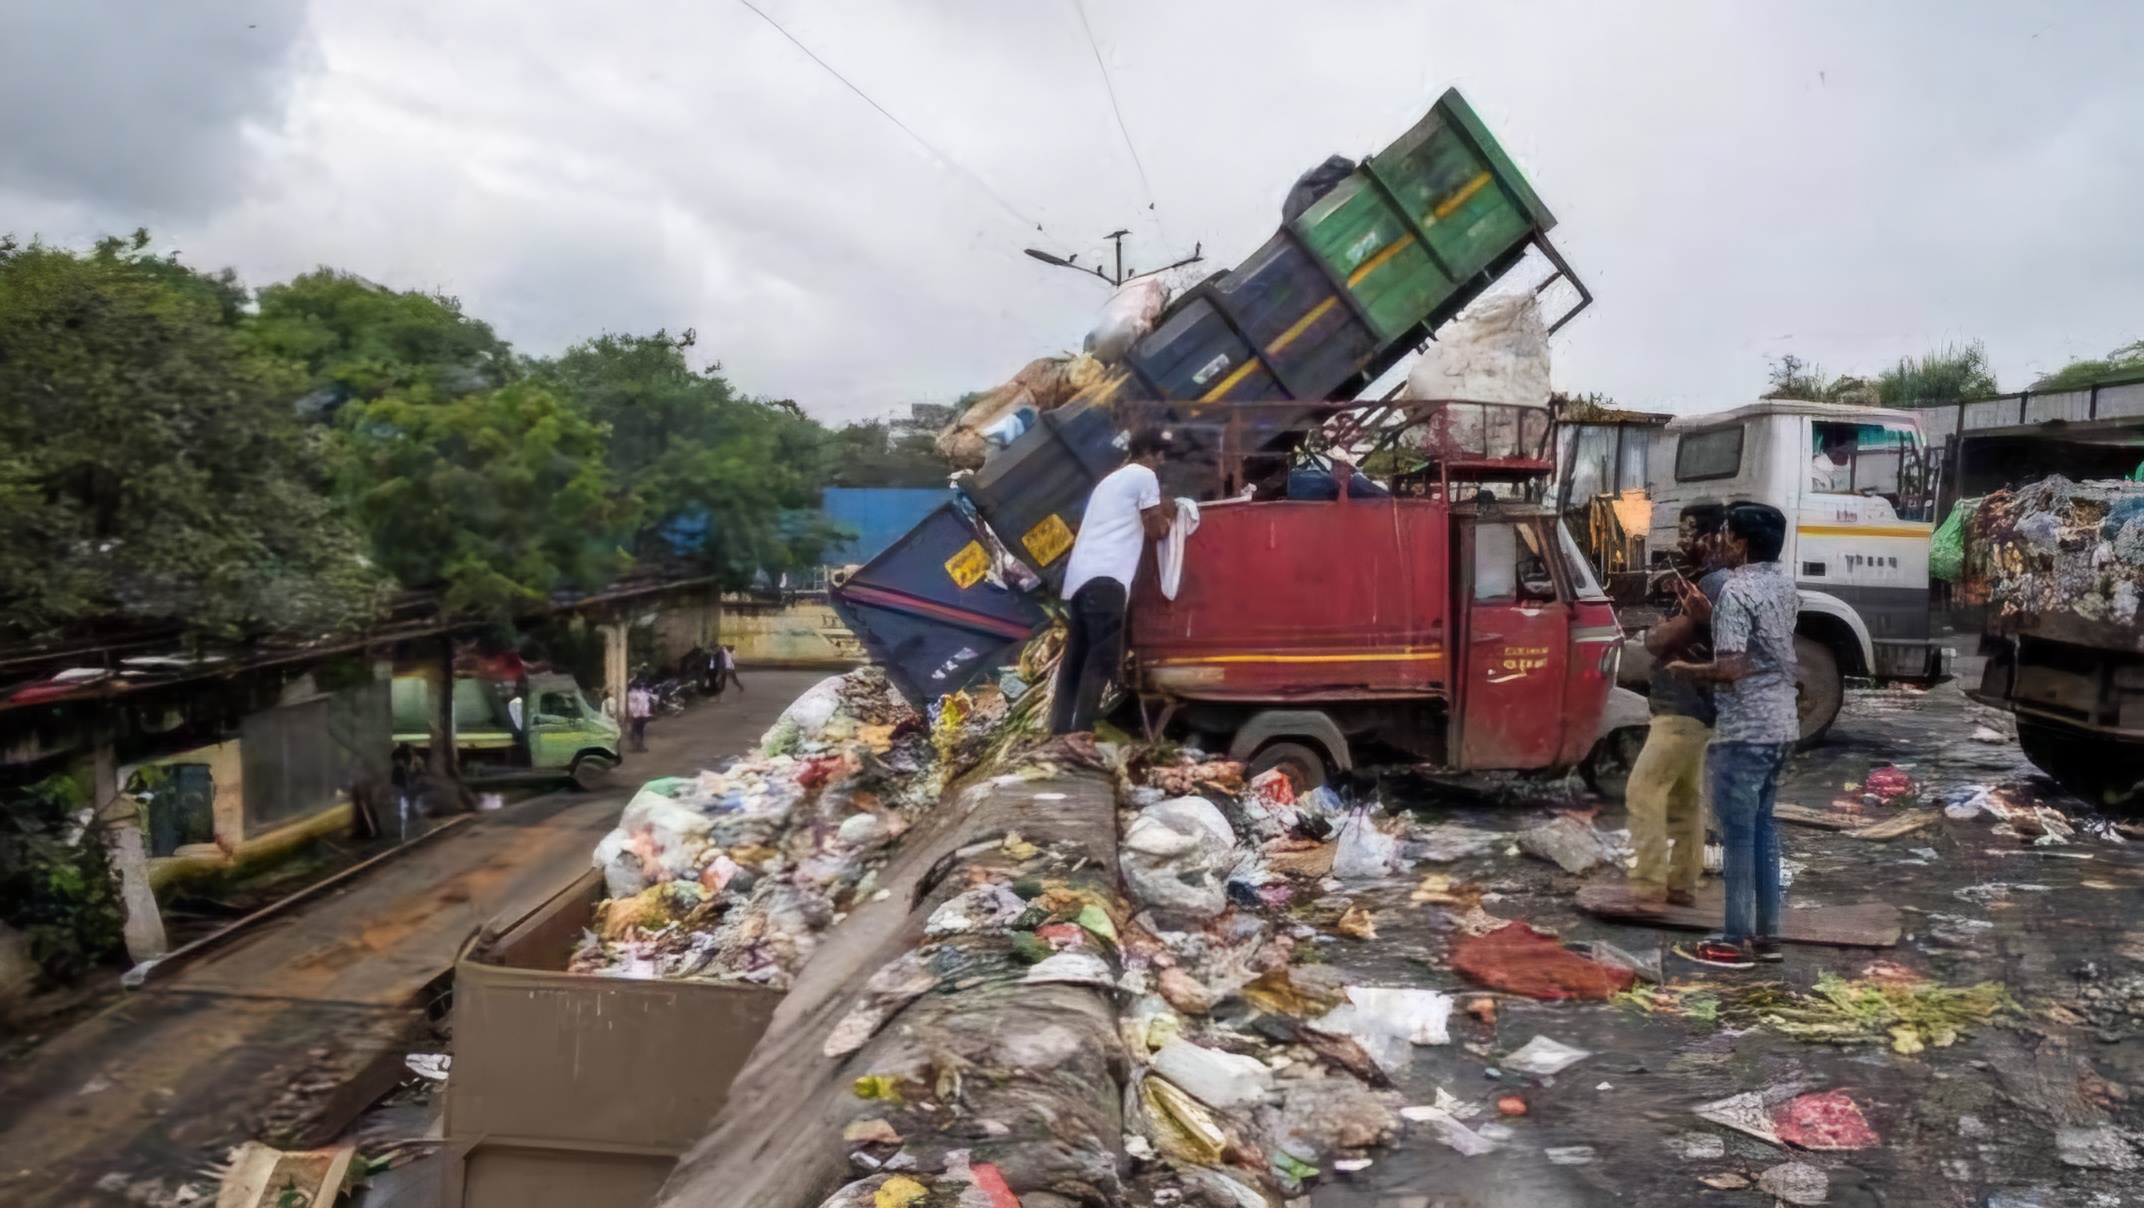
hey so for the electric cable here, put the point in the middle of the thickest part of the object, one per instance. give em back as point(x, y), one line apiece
point(1110, 86)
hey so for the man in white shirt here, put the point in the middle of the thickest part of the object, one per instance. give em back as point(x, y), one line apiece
point(639, 707)
point(1124, 513)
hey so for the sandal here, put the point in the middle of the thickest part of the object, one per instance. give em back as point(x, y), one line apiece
point(1719, 953)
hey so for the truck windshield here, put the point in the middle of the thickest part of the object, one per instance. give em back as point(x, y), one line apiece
point(1860, 459)
point(1583, 582)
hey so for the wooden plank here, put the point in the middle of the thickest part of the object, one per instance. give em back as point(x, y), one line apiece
point(1802, 815)
point(1866, 925)
point(1892, 828)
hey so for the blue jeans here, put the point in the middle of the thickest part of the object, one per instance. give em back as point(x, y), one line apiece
point(1745, 782)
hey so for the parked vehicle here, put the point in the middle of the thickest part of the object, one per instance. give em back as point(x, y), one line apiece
point(1858, 488)
point(1462, 630)
point(500, 733)
point(2064, 658)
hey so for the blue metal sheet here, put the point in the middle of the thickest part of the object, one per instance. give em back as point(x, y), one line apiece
point(926, 614)
point(877, 515)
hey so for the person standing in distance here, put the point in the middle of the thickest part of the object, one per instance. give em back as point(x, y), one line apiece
point(1125, 512)
point(1752, 669)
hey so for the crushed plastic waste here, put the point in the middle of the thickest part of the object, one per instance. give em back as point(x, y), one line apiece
point(1541, 1057)
point(1177, 854)
point(732, 874)
point(1795, 1183)
point(1211, 1076)
point(2055, 546)
point(1570, 844)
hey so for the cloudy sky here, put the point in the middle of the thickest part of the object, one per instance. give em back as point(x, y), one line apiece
point(1848, 182)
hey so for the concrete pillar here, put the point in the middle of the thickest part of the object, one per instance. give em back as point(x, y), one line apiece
point(444, 783)
point(144, 925)
point(615, 669)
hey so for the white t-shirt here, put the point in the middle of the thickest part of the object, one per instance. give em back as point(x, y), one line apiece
point(1111, 537)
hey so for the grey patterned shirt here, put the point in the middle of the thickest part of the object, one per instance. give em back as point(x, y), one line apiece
point(1756, 616)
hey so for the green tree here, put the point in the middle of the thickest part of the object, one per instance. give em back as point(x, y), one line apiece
point(889, 452)
point(1953, 373)
point(358, 340)
point(725, 483)
point(497, 498)
point(151, 469)
point(1793, 378)
point(2124, 362)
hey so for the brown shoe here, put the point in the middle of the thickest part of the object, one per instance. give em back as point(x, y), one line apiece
point(1679, 897)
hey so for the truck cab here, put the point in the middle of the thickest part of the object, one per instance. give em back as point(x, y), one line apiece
point(540, 728)
point(1858, 488)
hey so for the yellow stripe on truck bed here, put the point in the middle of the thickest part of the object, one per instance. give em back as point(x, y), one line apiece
point(1865, 530)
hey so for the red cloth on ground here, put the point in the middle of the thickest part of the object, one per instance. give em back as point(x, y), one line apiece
point(1517, 959)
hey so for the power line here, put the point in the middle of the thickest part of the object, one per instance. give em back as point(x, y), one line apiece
point(1110, 86)
point(925, 143)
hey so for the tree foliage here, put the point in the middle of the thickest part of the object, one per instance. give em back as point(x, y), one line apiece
point(890, 453)
point(497, 498)
point(177, 452)
point(151, 469)
point(1954, 373)
point(724, 483)
point(2124, 362)
point(56, 883)
point(358, 340)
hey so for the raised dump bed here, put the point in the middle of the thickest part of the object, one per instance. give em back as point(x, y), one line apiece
point(570, 1091)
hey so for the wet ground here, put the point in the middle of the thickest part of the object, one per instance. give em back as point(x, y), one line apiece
point(1977, 1123)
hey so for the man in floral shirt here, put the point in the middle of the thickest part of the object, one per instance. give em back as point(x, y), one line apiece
point(1753, 669)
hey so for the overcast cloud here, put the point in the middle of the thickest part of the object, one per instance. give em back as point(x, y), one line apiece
point(1845, 181)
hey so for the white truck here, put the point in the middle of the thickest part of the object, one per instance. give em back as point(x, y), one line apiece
point(1858, 487)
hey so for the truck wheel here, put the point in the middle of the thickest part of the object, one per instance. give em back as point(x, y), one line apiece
point(2106, 773)
point(589, 772)
point(1819, 689)
point(1304, 766)
point(1607, 767)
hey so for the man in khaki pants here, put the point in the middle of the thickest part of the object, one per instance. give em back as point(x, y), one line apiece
point(1665, 795)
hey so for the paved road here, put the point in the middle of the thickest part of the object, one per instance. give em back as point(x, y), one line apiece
point(259, 1033)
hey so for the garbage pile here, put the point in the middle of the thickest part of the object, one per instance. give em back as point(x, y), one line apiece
point(2058, 546)
point(732, 874)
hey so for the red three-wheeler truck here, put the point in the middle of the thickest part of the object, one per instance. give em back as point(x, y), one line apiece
point(1450, 619)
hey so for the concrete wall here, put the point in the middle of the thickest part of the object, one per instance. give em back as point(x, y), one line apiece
point(802, 633)
point(234, 847)
point(685, 620)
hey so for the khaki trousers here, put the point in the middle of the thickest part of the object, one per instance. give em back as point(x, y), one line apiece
point(1667, 804)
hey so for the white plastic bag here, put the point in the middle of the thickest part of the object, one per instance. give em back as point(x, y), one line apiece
point(1128, 315)
point(1496, 351)
point(1365, 851)
point(1177, 855)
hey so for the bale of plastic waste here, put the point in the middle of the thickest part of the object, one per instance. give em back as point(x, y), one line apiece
point(1496, 351)
point(1129, 314)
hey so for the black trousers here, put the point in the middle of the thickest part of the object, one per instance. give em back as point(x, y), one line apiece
point(1094, 652)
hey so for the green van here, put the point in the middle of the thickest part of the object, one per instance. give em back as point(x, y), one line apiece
point(554, 732)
